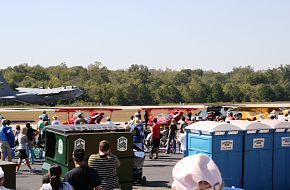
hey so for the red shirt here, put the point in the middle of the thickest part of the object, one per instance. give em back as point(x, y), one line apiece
point(156, 131)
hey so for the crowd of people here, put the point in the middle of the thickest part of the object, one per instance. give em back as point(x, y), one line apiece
point(152, 137)
point(99, 173)
point(101, 170)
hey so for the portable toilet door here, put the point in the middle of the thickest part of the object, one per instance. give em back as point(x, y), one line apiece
point(223, 143)
point(258, 149)
point(281, 153)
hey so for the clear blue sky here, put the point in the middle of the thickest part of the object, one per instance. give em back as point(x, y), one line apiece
point(211, 35)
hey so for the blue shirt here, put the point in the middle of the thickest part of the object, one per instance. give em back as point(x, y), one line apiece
point(3, 131)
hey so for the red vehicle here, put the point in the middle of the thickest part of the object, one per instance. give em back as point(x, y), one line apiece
point(96, 113)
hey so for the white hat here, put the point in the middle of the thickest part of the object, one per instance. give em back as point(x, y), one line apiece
point(188, 172)
point(1, 173)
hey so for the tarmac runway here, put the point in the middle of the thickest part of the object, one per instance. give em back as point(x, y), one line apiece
point(158, 173)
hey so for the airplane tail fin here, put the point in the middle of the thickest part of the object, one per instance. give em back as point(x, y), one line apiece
point(5, 89)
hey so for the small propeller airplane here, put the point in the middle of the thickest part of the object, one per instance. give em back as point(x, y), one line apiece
point(255, 110)
point(176, 112)
point(96, 113)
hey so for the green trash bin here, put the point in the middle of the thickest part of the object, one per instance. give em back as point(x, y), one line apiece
point(9, 174)
point(63, 139)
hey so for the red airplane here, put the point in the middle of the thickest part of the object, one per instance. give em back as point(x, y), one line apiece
point(96, 113)
point(176, 112)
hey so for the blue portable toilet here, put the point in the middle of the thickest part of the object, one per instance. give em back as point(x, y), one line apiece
point(281, 153)
point(258, 149)
point(223, 143)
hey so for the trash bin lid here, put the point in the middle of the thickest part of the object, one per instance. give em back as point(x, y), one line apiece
point(86, 128)
point(212, 126)
point(250, 125)
point(277, 124)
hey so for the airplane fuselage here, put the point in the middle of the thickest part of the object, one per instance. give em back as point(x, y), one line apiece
point(45, 96)
point(37, 95)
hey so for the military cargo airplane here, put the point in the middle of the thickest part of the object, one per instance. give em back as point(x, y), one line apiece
point(37, 95)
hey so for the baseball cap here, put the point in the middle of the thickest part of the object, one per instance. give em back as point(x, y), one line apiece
point(192, 170)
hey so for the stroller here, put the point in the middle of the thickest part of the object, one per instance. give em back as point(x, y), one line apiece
point(139, 153)
point(138, 161)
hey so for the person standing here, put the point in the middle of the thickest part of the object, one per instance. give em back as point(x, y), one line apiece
point(106, 164)
point(82, 177)
point(16, 133)
point(146, 118)
point(189, 115)
point(44, 116)
point(155, 139)
point(183, 123)
point(172, 136)
point(138, 115)
point(40, 127)
point(5, 130)
point(182, 141)
point(55, 121)
point(30, 133)
point(22, 148)
point(80, 119)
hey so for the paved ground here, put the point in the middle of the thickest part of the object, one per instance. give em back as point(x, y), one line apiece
point(157, 172)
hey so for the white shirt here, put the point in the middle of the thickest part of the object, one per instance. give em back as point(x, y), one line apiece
point(110, 123)
point(55, 122)
point(182, 140)
point(149, 136)
point(22, 139)
point(3, 188)
point(63, 186)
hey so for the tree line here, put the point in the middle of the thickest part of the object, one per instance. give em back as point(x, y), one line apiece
point(139, 85)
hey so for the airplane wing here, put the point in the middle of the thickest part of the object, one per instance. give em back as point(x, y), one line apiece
point(7, 97)
point(48, 93)
point(42, 92)
point(261, 107)
point(73, 109)
point(251, 110)
point(171, 108)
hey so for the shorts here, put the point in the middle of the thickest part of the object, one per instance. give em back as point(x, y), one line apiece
point(156, 143)
point(22, 154)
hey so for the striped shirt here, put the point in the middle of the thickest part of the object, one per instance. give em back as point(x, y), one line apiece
point(106, 165)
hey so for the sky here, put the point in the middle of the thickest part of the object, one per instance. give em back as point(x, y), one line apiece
point(213, 35)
